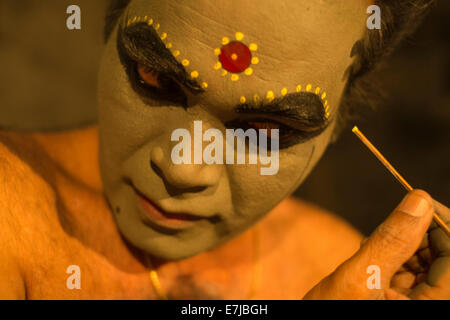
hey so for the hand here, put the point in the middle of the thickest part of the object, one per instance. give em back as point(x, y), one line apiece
point(413, 263)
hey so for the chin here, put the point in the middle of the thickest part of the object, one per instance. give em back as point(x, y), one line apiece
point(171, 255)
point(170, 247)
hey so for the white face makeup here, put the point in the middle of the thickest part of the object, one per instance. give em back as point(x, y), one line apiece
point(160, 73)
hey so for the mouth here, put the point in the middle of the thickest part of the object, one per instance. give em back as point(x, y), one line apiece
point(161, 219)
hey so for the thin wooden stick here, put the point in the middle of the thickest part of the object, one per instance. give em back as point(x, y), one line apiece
point(395, 173)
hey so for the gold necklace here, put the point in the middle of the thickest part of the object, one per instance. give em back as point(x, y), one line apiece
point(256, 271)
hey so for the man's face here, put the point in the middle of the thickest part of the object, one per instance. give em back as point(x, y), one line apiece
point(160, 72)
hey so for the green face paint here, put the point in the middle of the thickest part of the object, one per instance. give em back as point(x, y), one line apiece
point(148, 89)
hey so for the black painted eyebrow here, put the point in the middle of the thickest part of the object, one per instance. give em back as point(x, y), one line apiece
point(143, 45)
point(303, 108)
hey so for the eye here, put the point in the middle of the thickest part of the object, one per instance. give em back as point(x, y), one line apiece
point(268, 125)
point(155, 85)
point(148, 76)
point(288, 136)
point(157, 88)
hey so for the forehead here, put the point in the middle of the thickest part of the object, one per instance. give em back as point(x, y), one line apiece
point(298, 42)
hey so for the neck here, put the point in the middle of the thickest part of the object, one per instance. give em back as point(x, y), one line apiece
point(76, 152)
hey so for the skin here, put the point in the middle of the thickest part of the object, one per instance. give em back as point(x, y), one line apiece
point(45, 231)
point(54, 214)
point(135, 132)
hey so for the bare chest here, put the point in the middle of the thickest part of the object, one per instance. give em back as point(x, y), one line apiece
point(69, 260)
point(77, 252)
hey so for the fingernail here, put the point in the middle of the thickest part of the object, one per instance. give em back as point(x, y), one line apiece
point(414, 205)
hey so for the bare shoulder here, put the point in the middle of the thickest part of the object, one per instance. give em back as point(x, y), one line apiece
point(25, 190)
point(24, 194)
point(311, 234)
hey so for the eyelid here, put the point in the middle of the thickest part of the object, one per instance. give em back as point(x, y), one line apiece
point(153, 69)
point(299, 125)
point(141, 43)
point(169, 93)
point(303, 109)
point(288, 136)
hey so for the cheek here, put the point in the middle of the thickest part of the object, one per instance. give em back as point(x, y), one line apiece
point(125, 121)
point(255, 194)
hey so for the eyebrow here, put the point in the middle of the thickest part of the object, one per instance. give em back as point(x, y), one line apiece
point(142, 44)
point(304, 109)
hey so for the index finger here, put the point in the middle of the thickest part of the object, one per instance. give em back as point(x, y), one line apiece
point(439, 241)
point(442, 211)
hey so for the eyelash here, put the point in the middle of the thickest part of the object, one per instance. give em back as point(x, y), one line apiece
point(168, 91)
point(288, 136)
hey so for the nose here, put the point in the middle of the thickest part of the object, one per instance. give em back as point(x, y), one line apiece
point(183, 178)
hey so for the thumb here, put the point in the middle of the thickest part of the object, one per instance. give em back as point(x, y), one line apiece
point(387, 249)
point(398, 237)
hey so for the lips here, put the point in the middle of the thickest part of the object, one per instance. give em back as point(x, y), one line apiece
point(155, 215)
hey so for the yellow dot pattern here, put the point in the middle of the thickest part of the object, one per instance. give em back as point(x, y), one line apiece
point(270, 95)
point(239, 36)
point(194, 74)
point(255, 60)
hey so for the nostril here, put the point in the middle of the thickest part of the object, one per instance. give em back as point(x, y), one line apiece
point(190, 190)
point(174, 190)
point(157, 170)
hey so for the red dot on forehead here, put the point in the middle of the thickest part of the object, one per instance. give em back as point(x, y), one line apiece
point(235, 57)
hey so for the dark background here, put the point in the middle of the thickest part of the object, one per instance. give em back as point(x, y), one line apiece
point(48, 82)
point(411, 127)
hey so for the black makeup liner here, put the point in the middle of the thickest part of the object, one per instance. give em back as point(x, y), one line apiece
point(144, 45)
